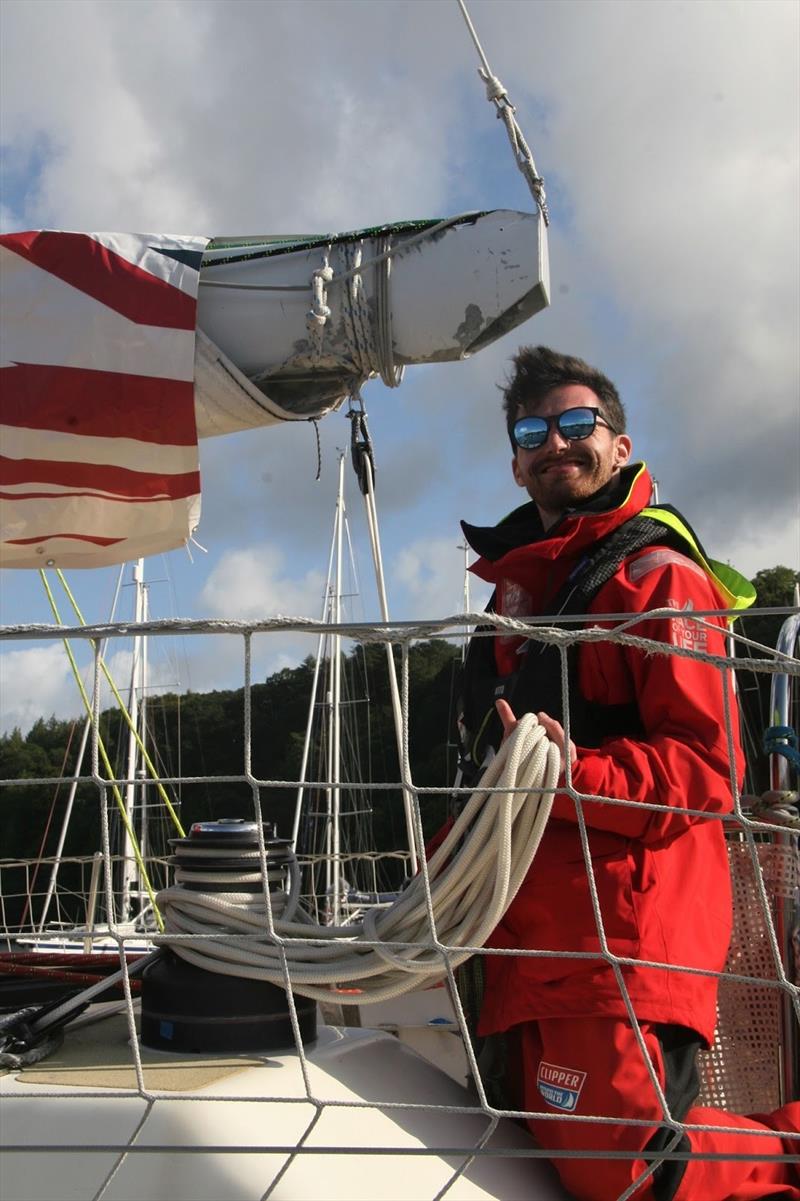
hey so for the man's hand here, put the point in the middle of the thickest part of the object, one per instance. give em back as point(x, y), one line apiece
point(552, 728)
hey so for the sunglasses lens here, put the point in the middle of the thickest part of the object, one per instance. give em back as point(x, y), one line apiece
point(530, 432)
point(576, 424)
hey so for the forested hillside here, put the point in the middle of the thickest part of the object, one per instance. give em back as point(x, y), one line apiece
point(202, 734)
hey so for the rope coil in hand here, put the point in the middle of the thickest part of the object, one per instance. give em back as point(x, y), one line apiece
point(473, 876)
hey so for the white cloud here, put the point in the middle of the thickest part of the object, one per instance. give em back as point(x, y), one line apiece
point(104, 155)
point(36, 682)
point(39, 682)
point(751, 549)
point(673, 131)
point(668, 137)
point(195, 132)
point(9, 221)
point(430, 573)
point(251, 584)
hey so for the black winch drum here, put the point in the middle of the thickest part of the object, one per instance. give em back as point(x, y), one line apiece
point(187, 1009)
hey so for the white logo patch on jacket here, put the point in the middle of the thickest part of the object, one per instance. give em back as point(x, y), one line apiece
point(685, 632)
point(560, 1087)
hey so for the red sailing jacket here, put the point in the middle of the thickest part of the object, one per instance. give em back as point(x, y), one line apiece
point(662, 875)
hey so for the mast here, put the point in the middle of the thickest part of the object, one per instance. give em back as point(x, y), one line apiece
point(136, 691)
point(324, 617)
point(782, 699)
point(332, 644)
point(336, 710)
point(144, 817)
point(362, 448)
point(784, 779)
point(62, 837)
point(466, 597)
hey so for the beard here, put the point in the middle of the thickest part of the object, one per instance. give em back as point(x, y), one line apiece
point(564, 481)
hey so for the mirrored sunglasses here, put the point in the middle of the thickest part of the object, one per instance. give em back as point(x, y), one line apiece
point(572, 424)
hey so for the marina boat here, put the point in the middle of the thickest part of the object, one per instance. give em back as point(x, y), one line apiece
point(346, 1123)
point(218, 1085)
point(111, 1090)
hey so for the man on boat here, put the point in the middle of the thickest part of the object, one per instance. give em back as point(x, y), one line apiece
point(650, 730)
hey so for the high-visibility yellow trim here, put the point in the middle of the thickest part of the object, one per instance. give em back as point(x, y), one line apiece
point(737, 591)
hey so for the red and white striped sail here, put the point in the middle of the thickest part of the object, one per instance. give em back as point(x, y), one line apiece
point(110, 368)
point(98, 443)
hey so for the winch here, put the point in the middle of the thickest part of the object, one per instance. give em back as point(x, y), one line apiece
point(187, 1008)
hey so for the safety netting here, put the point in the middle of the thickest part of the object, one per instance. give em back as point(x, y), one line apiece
point(389, 1103)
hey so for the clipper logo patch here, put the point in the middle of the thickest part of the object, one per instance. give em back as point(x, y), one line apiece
point(560, 1087)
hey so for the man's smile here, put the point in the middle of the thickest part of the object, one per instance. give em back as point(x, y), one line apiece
point(560, 467)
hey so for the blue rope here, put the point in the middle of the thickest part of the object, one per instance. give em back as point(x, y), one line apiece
point(782, 740)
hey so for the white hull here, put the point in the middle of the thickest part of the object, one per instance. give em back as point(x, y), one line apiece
point(229, 1127)
point(94, 942)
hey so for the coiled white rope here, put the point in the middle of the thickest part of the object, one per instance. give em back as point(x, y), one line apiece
point(319, 312)
point(473, 877)
point(371, 348)
point(369, 334)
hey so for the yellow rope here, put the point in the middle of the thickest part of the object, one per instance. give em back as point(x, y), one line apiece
point(162, 792)
point(106, 762)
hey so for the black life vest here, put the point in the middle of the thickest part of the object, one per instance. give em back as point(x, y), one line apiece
point(537, 684)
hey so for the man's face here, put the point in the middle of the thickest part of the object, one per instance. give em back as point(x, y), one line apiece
point(560, 474)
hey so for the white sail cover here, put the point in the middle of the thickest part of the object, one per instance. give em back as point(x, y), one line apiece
point(98, 442)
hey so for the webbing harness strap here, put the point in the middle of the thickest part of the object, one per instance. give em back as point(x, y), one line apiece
point(536, 685)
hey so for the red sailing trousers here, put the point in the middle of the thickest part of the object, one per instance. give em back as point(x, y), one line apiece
point(595, 1066)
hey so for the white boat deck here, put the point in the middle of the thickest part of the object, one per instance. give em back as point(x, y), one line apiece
point(372, 1122)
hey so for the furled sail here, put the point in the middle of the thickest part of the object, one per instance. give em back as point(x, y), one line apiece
point(417, 292)
point(118, 351)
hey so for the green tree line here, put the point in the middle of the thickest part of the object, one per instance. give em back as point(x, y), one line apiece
point(775, 587)
point(202, 734)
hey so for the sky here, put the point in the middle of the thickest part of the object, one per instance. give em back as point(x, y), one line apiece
point(667, 133)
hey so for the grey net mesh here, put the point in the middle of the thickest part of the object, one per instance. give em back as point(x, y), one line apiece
point(748, 1069)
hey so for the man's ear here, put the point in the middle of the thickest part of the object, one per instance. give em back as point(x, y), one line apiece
point(518, 476)
point(622, 450)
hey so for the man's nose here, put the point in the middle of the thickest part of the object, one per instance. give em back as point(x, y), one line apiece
point(555, 440)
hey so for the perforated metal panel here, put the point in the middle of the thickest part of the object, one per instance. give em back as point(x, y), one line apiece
point(751, 1065)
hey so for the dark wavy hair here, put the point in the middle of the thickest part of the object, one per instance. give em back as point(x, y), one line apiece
point(537, 370)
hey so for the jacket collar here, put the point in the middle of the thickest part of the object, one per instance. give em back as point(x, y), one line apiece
point(615, 503)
